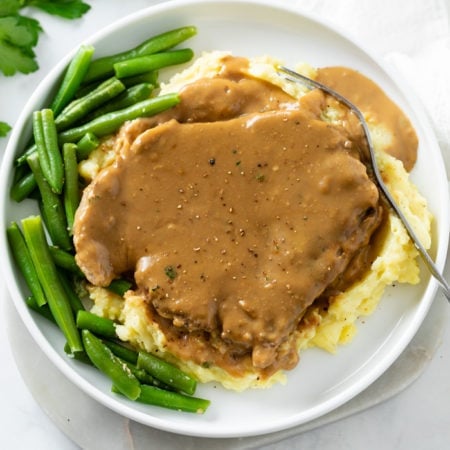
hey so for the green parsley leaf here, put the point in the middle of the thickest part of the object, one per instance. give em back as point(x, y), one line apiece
point(18, 37)
point(4, 129)
point(170, 272)
point(69, 9)
point(19, 34)
point(8, 7)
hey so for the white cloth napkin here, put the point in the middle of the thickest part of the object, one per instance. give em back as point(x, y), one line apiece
point(413, 37)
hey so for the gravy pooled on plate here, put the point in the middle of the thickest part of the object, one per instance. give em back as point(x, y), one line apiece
point(234, 212)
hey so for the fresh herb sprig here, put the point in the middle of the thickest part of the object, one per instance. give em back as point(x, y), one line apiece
point(68, 9)
point(19, 34)
point(4, 129)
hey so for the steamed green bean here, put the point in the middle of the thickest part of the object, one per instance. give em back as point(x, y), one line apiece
point(71, 192)
point(25, 263)
point(22, 188)
point(98, 325)
point(81, 107)
point(119, 286)
point(103, 358)
point(65, 260)
point(110, 122)
point(86, 144)
point(166, 372)
point(53, 210)
point(46, 138)
point(152, 395)
point(73, 77)
point(49, 279)
point(132, 95)
point(143, 64)
point(75, 301)
point(103, 67)
point(43, 310)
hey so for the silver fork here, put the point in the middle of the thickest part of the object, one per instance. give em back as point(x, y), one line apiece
point(312, 84)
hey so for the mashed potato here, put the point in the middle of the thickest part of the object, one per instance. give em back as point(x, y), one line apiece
point(326, 328)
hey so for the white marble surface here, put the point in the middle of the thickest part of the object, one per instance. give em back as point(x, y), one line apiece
point(417, 418)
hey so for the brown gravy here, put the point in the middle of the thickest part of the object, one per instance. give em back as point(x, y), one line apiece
point(378, 108)
point(235, 211)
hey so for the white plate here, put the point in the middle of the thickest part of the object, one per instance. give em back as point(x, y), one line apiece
point(321, 382)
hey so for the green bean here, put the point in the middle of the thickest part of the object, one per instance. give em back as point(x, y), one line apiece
point(108, 123)
point(130, 357)
point(49, 279)
point(79, 356)
point(75, 302)
point(20, 172)
point(35, 195)
point(53, 152)
point(167, 373)
point(24, 262)
point(22, 188)
point(43, 310)
point(132, 95)
point(79, 108)
point(73, 77)
point(46, 138)
point(98, 325)
point(39, 138)
point(147, 77)
point(46, 218)
point(103, 358)
point(142, 64)
point(151, 395)
point(65, 260)
point(85, 89)
point(119, 286)
point(86, 144)
point(125, 353)
point(141, 374)
point(38, 133)
point(22, 159)
point(146, 378)
point(103, 67)
point(52, 207)
point(71, 189)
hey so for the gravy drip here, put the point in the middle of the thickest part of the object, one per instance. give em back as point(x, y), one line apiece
point(378, 109)
point(234, 211)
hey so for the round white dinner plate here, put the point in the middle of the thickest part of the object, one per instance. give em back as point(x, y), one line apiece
point(321, 382)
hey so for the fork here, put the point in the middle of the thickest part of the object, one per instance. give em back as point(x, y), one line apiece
point(312, 84)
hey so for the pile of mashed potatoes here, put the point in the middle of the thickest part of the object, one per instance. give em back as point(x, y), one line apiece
point(325, 327)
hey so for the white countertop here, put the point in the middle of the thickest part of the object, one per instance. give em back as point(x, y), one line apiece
point(417, 418)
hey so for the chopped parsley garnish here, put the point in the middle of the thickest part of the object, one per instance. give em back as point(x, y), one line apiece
point(18, 37)
point(19, 34)
point(171, 272)
point(68, 9)
point(4, 129)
